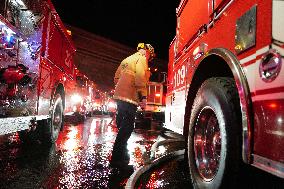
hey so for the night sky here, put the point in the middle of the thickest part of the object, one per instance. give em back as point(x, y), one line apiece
point(125, 21)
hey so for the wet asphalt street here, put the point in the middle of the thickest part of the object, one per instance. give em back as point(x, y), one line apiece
point(80, 159)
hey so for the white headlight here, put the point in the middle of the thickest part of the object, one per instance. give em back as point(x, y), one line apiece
point(111, 105)
point(76, 98)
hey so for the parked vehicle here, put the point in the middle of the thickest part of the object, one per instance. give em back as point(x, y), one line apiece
point(226, 88)
point(110, 104)
point(80, 101)
point(98, 102)
point(155, 107)
point(37, 70)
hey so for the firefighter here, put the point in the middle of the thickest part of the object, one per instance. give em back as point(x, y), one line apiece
point(130, 81)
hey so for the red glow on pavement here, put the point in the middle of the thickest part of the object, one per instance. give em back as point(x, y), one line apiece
point(72, 139)
point(273, 105)
point(153, 181)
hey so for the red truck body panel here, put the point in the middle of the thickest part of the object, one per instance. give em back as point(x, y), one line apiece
point(207, 27)
point(43, 52)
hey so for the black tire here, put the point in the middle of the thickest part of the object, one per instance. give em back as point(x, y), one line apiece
point(53, 126)
point(214, 139)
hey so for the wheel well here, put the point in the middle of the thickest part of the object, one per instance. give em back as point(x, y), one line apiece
point(61, 91)
point(211, 66)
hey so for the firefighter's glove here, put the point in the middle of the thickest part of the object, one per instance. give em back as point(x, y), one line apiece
point(142, 103)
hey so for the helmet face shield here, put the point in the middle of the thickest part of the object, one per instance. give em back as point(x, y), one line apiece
point(152, 56)
point(150, 48)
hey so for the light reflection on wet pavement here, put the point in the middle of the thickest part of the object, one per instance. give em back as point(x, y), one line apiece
point(164, 176)
point(79, 159)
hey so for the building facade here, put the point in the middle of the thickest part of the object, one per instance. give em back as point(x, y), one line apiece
point(98, 57)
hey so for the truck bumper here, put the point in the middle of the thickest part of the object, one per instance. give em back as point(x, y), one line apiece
point(14, 124)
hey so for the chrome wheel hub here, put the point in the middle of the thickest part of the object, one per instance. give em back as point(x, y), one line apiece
point(207, 143)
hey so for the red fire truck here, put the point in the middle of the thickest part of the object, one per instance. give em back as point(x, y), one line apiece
point(80, 100)
point(226, 87)
point(109, 103)
point(155, 107)
point(36, 59)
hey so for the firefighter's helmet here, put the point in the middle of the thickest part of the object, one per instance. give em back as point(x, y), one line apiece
point(148, 47)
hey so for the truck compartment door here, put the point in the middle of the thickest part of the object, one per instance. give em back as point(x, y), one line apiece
point(193, 16)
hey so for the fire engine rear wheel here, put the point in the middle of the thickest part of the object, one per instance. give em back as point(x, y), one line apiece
point(214, 140)
point(53, 127)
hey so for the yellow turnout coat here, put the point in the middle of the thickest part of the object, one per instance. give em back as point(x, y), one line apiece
point(131, 79)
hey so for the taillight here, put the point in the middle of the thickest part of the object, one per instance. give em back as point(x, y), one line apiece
point(12, 75)
point(15, 75)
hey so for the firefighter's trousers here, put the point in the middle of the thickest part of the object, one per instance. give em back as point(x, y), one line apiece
point(125, 123)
